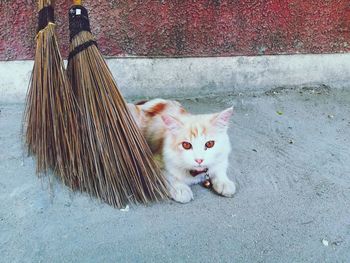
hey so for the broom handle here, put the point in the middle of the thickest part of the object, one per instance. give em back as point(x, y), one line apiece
point(76, 2)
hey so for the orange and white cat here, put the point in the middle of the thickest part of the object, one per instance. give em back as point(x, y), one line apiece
point(187, 146)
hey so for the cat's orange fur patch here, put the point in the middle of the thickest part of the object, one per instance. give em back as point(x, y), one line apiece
point(194, 131)
point(183, 111)
point(204, 130)
point(156, 109)
point(197, 130)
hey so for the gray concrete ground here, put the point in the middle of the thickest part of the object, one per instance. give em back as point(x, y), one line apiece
point(291, 161)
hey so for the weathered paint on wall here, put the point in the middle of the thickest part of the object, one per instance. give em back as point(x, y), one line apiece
point(189, 28)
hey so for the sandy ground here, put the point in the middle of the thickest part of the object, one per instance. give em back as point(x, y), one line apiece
point(291, 162)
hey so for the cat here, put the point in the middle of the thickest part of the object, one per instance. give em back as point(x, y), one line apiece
point(186, 146)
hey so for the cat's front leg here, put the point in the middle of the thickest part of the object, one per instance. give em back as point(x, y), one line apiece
point(221, 183)
point(179, 191)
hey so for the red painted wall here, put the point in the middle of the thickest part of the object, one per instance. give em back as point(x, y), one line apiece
point(189, 27)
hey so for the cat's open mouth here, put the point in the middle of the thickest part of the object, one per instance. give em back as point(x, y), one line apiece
point(198, 171)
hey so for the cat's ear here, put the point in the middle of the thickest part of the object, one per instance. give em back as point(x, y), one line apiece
point(222, 119)
point(171, 122)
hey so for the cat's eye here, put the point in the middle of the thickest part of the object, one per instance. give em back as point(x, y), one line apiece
point(186, 145)
point(209, 144)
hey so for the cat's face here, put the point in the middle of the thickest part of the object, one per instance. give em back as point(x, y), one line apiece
point(197, 142)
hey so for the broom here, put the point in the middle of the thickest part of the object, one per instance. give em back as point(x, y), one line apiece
point(50, 117)
point(120, 163)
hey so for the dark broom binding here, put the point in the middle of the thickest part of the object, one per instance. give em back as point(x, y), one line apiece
point(120, 164)
point(50, 118)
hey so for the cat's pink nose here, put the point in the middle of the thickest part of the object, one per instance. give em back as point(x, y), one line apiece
point(199, 161)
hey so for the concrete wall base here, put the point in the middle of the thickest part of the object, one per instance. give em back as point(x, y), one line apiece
point(181, 77)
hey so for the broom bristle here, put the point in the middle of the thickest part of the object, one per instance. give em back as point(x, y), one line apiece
point(120, 163)
point(50, 118)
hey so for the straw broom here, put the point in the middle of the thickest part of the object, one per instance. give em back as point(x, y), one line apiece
point(120, 163)
point(50, 118)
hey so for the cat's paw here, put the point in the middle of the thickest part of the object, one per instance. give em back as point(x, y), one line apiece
point(181, 193)
point(224, 187)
